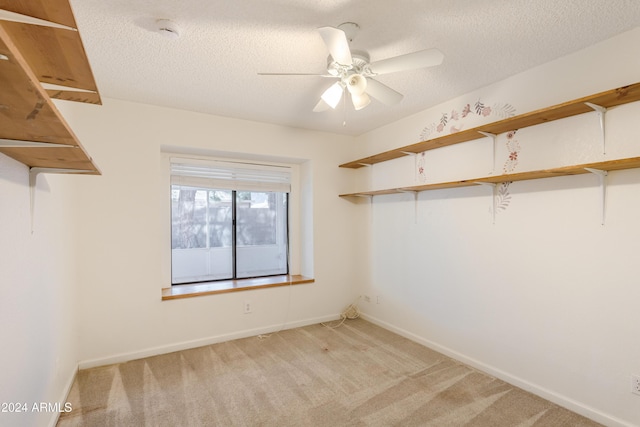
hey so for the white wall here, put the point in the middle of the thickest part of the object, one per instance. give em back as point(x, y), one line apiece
point(121, 227)
point(38, 360)
point(547, 297)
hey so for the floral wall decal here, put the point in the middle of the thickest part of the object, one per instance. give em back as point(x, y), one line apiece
point(513, 148)
point(420, 169)
point(503, 198)
point(455, 120)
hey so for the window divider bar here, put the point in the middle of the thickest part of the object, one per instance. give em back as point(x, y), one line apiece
point(234, 234)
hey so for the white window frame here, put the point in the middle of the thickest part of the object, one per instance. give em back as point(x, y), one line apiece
point(295, 245)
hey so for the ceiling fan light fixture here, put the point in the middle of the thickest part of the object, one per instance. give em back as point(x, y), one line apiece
point(356, 84)
point(360, 101)
point(354, 70)
point(332, 95)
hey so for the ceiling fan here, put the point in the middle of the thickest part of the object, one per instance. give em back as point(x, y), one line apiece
point(355, 72)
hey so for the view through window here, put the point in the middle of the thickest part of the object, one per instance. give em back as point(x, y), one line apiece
point(230, 232)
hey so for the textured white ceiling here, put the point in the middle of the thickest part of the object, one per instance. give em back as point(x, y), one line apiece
point(212, 67)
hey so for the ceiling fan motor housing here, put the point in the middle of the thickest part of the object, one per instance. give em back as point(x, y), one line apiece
point(360, 65)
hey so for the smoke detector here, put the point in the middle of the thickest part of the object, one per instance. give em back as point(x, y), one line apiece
point(168, 28)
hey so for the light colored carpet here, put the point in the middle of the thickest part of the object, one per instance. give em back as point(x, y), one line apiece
point(356, 375)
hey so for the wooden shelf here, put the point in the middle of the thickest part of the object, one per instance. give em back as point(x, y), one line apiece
point(57, 11)
point(608, 165)
point(608, 99)
point(35, 54)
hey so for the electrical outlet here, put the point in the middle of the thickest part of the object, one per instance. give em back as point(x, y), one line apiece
point(247, 307)
point(367, 298)
point(378, 299)
point(635, 384)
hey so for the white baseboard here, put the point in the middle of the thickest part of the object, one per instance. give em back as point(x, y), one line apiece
point(55, 416)
point(547, 394)
point(154, 351)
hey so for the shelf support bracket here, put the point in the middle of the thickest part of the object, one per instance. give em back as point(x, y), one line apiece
point(366, 164)
point(33, 180)
point(16, 143)
point(602, 175)
point(26, 19)
point(415, 203)
point(601, 112)
point(495, 138)
point(415, 163)
point(494, 188)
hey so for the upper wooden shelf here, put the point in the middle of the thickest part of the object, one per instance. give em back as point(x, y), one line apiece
point(57, 11)
point(610, 98)
point(55, 55)
point(32, 130)
point(608, 165)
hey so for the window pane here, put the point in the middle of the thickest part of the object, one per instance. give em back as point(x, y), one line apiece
point(201, 234)
point(261, 233)
point(257, 213)
point(220, 219)
point(188, 218)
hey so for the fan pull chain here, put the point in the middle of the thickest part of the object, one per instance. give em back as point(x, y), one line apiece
point(344, 108)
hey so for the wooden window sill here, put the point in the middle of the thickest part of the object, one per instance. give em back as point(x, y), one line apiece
point(223, 286)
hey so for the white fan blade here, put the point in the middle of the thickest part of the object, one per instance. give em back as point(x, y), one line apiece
point(383, 93)
point(321, 106)
point(296, 74)
point(337, 43)
point(410, 61)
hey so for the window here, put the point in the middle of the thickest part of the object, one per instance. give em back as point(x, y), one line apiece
point(228, 220)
